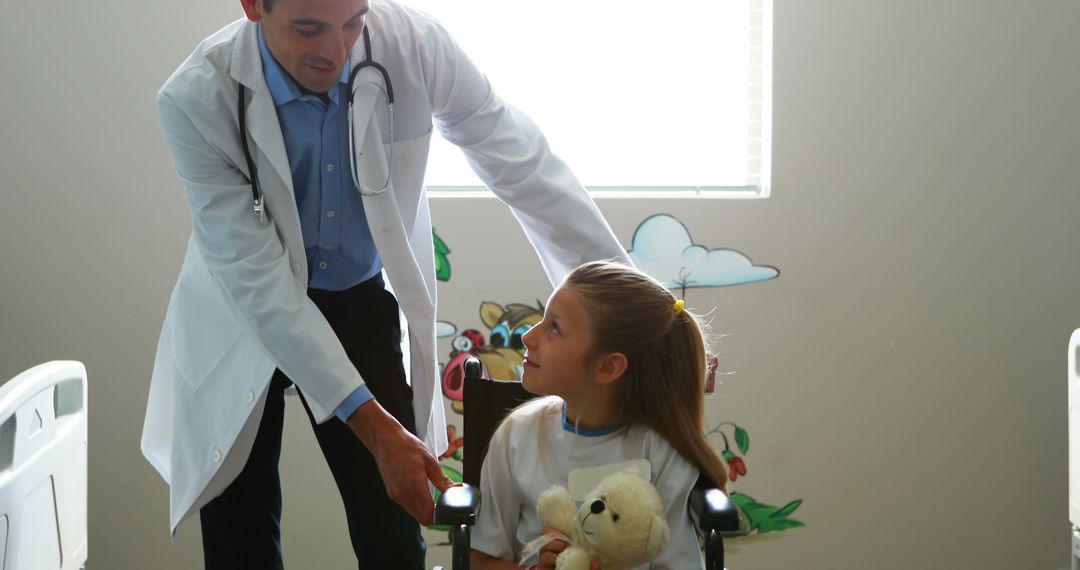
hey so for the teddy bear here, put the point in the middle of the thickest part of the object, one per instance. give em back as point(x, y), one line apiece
point(620, 524)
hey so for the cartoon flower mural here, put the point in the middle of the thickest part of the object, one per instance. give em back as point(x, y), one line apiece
point(759, 517)
point(456, 443)
point(736, 466)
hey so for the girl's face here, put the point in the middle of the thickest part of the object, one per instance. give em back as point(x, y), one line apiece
point(557, 348)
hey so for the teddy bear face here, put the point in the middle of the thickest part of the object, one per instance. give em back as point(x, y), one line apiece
point(599, 523)
point(622, 519)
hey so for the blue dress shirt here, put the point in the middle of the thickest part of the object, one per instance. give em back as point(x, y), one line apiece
point(340, 250)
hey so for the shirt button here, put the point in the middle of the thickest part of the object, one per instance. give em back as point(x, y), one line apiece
point(330, 214)
point(215, 456)
point(322, 265)
point(249, 397)
point(330, 167)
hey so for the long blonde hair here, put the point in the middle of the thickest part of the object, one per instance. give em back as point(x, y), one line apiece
point(664, 383)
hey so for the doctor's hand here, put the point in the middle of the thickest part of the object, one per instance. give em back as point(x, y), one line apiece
point(405, 463)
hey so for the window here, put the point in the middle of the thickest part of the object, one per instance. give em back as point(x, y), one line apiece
point(633, 95)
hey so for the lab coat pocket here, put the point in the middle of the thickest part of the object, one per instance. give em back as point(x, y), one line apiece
point(410, 163)
point(202, 328)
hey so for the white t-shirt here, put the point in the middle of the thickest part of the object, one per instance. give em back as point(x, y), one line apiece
point(536, 448)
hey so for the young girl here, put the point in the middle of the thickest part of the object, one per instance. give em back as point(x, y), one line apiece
point(624, 367)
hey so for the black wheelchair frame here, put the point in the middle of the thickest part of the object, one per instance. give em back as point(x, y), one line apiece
point(488, 402)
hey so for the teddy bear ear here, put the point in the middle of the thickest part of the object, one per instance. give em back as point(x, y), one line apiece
point(556, 509)
point(659, 535)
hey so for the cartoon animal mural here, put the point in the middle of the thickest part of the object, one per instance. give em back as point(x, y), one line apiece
point(501, 354)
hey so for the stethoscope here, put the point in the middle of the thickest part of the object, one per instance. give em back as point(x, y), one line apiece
point(256, 193)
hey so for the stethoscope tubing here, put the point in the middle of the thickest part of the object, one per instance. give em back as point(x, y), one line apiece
point(256, 193)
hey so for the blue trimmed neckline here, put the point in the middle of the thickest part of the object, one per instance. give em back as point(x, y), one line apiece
point(567, 426)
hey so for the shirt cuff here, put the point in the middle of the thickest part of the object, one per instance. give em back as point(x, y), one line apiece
point(358, 397)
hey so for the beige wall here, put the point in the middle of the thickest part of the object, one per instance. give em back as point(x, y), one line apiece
point(905, 375)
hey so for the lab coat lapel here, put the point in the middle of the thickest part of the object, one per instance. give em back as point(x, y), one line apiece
point(268, 145)
point(262, 123)
point(262, 120)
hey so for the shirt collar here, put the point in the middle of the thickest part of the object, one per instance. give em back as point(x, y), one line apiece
point(283, 88)
point(567, 426)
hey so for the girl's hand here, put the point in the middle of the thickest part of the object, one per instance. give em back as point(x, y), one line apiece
point(550, 551)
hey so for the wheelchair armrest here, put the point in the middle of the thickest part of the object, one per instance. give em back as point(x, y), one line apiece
point(714, 510)
point(458, 506)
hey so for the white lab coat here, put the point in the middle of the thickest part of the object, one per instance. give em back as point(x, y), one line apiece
point(239, 309)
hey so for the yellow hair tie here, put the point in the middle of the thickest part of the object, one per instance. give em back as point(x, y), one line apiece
point(678, 306)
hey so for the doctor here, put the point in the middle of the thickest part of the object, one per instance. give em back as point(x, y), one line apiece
point(283, 280)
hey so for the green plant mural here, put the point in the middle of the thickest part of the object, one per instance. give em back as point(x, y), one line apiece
point(759, 517)
point(766, 518)
point(442, 262)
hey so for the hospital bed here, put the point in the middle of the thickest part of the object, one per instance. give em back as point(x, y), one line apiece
point(1074, 446)
point(43, 468)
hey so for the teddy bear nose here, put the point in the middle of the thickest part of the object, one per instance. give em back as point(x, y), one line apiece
point(597, 507)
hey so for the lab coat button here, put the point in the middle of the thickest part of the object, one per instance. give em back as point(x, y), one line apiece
point(215, 456)
point(249, 397)
point(296, 268)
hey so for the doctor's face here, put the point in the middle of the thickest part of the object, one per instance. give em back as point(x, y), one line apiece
point(311, 39)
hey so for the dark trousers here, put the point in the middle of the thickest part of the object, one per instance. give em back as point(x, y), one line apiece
point(241, 528)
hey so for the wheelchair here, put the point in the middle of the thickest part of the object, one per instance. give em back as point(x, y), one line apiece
point(488, 403)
